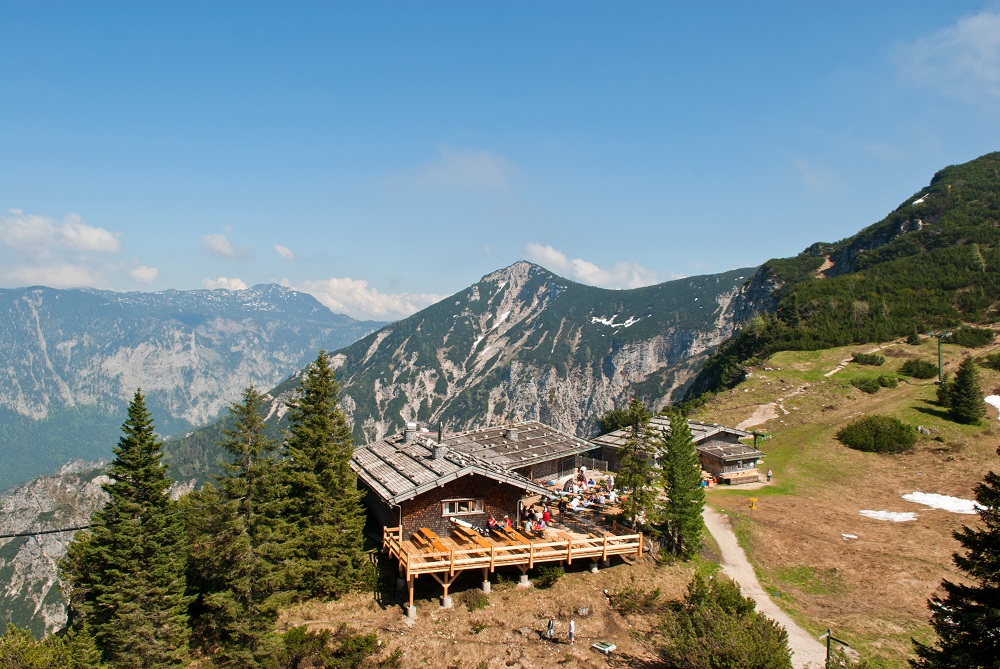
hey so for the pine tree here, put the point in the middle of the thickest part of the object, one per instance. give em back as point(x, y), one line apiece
point(967, 617)
point(635, 465)
point(965, 397)
point(125, 576)
point(233, 535)
point(681, 476)
point(324, 512)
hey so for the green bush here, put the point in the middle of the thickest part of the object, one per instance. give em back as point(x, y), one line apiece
point(474, 599)
point(913, 339)
point(992, 361)
point(878, 434)
point(920, 369)
point(972, 337)
point(868, 384)
point(548, 575)
point(873, 359)
point(888, 381)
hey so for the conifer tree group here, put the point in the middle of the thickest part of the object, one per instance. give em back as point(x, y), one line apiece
point(153, 577)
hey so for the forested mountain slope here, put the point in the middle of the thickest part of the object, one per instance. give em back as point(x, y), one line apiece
point(932, 263)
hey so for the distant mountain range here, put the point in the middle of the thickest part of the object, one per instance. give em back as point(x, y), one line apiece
point(72, 359)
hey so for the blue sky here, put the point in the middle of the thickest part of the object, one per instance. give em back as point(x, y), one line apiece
point(382, 155)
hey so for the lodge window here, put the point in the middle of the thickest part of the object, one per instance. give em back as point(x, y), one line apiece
point(459, 507)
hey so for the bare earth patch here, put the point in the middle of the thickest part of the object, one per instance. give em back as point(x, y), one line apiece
point(509, 631)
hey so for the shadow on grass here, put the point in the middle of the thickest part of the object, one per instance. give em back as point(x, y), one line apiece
point(934, 411)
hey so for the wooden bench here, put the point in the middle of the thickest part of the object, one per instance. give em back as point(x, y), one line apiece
point(471, 536)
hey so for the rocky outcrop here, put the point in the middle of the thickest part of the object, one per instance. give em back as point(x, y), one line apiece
point(29, 579)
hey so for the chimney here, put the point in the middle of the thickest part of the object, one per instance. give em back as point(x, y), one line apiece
point(510, 433)
point(410, 433)
point(438, 450)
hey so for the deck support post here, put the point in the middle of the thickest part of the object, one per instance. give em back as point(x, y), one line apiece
point(445, 580)
point(593, 566)
point(524, 582)
point(411, 610)
point(605, 563)
point(486, 580)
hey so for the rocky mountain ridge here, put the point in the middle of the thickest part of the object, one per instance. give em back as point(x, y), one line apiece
point(72, 359)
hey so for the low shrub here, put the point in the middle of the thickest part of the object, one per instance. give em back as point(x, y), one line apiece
point(888, 381)
point(868, 384)
point(474, 599)
point(548, 575)
point(919, 369)
point(873, 359)
point(913, 339)
point(878, 434)
point(632, 599)
point(972, 337)
point(992, 361)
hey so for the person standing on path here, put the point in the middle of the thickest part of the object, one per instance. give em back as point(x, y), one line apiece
point(572, 631)
point(769, 474)
point(551, 630)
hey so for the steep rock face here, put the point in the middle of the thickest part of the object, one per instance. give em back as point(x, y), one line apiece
point(29, 585)
point(524, 344)
point(72, 359)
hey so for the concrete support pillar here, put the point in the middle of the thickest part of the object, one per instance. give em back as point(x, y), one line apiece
point(524, 582)
point(593, 567)
point(486, 586)
point(411, 612)
point(446, 602)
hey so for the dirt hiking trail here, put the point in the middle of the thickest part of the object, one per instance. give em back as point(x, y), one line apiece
point(807, 652)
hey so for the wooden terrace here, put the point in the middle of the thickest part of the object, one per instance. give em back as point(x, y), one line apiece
point(443, 558)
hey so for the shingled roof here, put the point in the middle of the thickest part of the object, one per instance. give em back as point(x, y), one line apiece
point(397, 470)
point(518, 445)
point(700, 432)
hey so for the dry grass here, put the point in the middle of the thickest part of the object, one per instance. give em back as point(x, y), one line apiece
point(872, 590)
point(509, 631)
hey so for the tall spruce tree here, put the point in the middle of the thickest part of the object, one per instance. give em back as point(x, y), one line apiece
point(324, 512)
point(685, 498)
point(125, 576)
point(965, 396)
point(234, 538)
point(967, 617)
point(636, 457)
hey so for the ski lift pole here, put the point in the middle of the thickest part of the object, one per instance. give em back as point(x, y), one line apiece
point(830, 638)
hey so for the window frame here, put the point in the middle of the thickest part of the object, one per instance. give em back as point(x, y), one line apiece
point(475, 505)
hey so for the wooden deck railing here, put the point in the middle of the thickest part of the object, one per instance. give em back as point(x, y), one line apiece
point(415, 561)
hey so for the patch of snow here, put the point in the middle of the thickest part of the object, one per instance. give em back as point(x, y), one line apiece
point(944, 502)
point(611, 321)
point(848, 536)
point(500, 287)
point(893, 516)
point(696, 299)
point(920, 201)
point(500, 319)
point(993, 401)
point(478, 339)
point(483, 352)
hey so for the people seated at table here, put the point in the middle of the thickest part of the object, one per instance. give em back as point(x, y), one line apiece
point(491, 522)
point(506, 521)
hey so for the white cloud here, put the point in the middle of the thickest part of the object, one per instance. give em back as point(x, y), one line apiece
point(221, 246)
point(623, 274)
point(284, 252)
point(455, 169)
point(144, 274)
point(42, 236)
point(37, 250)
point(356, 299)
point(962, 60)
point(57, 274)
point(225, 283)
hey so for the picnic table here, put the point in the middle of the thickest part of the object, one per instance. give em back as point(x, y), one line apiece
point(469, 535)
point(426, 537)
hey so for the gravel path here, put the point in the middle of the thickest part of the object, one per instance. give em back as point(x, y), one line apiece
point(807, 652)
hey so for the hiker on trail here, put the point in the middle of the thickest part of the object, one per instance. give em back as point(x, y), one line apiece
point(551, 630)
point(769, 474)
point(572, 630)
